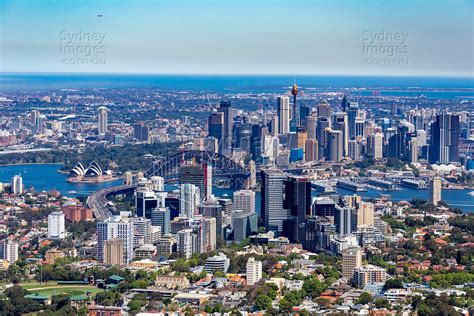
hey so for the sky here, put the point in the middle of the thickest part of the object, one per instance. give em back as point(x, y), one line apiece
point(314, 37)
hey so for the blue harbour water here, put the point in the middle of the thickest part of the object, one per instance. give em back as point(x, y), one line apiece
point(45, 177)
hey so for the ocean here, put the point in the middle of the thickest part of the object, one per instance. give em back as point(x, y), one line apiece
point(431, 87)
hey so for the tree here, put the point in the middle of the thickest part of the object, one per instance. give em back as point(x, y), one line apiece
point(394, 283)
point(313, 287)
point(263, 302)
point(381, 303)
point(364, 298)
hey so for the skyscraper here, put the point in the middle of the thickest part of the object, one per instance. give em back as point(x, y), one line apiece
point(375, 145)
point(310, 124)
point(141, 132)
point(445, 132)
point(351, 259)
point(113, 251)
point(196, 175)
point(283, 115)
point(161, 217)
point(298, 201)
point(56, 228)
point(115, 227)
point(253, 271)
point(340, 123)
point(324, 109)
point(273, 212)
point(225, 107)
point(435, 190)
point(17, 185)
point(184, 242)
point(102, 120)
point(216, 129)
point(244, 200)
point(9, 250)
point(343, 220)
point(335, 145)
point(189, 199)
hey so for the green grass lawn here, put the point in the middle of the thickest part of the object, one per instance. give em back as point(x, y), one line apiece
point(54, 289)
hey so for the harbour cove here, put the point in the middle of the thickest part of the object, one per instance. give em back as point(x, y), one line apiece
point(46, 177)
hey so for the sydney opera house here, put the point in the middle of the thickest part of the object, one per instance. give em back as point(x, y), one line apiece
point(92, 174)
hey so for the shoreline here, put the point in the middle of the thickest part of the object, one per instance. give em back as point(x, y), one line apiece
point(31, 163)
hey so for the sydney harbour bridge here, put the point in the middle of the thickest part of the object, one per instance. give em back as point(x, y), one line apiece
point(223, 168)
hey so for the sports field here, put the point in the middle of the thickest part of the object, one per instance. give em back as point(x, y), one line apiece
point(53, 288)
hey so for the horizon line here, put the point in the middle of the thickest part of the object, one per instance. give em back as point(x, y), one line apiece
point(451, 76)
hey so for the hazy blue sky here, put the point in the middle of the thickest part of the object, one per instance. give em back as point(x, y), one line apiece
point(244, 36)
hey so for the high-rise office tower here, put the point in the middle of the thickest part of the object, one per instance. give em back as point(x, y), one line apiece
point(310, 124)
point(283, 115)
point(253, 271)
point(323, 124)
point(225, 107)
point(102, 124)
point(258, 132)
point(227, 208)
point(324, 109)
point(445, 133)
point(343, 220)
point(9, 250)
point(184, 242)
point(352, 115)
point(359, 127)
point(216, 128)
point(295, 122)
point(435, 190)
point(142, 228)
point(311, 150)
point(301, 137)
point(304, 113)
point(113, 251)
point(298, 201)
point(146, 201)
point(340, 123)
point(210, 234)
point(355, 149)
point(351, 259)
point(141, 132)
point(212, 208)
point(56, 228)
point(208, 180)
point(189, 199)
point(334, 145)
point(244, 200)
point(244, 224)
point(273, 213)
point(365, 214)
point(194, 175)
point(17, 185)
point(161, 217)
point(115, 227)
point(253, 173)
point(375, 145)
point(344, 104)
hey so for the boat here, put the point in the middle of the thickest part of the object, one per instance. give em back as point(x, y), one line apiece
point(72, 192)
point(471, 193)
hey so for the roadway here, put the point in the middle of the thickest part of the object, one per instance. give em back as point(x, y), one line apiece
point(99, 203)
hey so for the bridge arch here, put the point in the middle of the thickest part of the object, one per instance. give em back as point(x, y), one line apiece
point(223, 167)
